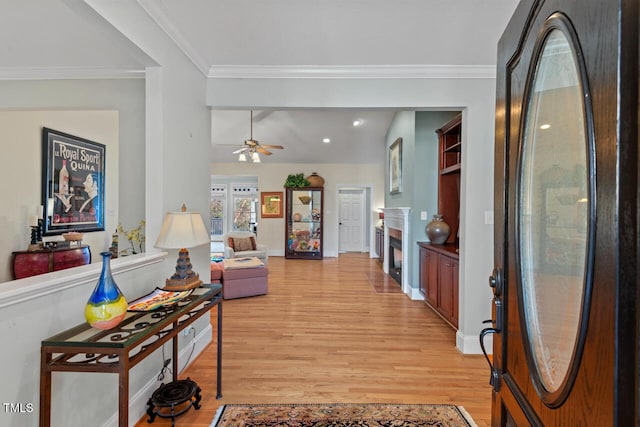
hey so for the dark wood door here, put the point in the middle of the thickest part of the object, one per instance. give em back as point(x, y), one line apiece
point(565, 276)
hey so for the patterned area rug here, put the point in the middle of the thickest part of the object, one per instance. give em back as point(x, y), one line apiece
point(341, 414)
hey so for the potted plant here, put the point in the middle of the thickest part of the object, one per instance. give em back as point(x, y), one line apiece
point(296, 180)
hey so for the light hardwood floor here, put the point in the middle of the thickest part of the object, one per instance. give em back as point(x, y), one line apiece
point(323, 334)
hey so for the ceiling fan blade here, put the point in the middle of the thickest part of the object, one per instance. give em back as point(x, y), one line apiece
point(241, 150)
point(279, 147)
point(263, 151)
point(251, 142)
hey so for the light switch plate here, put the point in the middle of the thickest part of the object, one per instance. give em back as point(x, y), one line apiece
point(488, 217)
point(423, 215)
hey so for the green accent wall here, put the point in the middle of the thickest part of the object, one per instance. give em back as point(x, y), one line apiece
point(419, 173)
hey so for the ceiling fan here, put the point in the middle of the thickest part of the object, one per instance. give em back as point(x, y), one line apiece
point(252, 147)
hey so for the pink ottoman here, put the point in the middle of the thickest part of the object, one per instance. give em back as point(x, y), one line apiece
point(244, 282)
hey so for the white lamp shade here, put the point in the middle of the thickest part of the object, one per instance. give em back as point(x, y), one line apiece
point(182, 230)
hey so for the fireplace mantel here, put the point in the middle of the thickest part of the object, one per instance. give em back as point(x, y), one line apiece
point(398, 219)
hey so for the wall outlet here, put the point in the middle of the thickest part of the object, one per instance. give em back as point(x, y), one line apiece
point(423, 215)
point(186, 332)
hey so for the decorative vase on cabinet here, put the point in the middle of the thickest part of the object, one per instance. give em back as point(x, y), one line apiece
point(438, 230)
point(315, 180)
point(106, 306)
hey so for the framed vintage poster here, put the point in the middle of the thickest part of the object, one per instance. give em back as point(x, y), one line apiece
point(73, 177)
point(271, 204)
point(395, 167)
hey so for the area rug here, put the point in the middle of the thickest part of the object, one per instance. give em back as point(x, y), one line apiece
point(341, 415)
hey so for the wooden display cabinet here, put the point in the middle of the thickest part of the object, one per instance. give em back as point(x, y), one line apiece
point(450, 149)
point(303, 223)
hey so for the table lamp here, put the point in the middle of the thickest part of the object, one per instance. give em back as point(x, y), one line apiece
point(182, 230)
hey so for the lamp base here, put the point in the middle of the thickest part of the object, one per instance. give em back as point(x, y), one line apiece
point(182, 284)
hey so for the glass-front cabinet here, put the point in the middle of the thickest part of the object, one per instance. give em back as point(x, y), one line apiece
point(304, 223)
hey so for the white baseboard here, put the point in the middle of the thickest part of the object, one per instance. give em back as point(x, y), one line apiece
point(138, 402)
point(470, 344)
point(415, 294)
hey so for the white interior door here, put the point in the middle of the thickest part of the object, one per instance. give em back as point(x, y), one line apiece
point(351, 220)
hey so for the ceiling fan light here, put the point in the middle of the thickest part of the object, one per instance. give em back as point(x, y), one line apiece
point(255, 157)
point(242, 157)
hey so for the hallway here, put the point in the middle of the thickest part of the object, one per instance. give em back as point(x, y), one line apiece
point(323, 334)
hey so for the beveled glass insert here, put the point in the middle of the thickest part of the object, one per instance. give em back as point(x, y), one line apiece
point(553, 208)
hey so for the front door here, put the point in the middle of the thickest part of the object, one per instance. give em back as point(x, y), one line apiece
point(565, 277)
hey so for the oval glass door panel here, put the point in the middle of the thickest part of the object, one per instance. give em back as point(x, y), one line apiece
point(553, 212)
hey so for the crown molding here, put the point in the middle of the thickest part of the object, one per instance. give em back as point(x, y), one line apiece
point(68, 73)
point(157, 14)
point(353, 72)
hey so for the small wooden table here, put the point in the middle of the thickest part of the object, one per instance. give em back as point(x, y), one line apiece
point(86, 349)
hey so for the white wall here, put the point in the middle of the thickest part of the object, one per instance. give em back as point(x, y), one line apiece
point(171, 171)
point(126, 96)
point(178, 124)
point(271, 177)
point(21, 174)
point(474, 96)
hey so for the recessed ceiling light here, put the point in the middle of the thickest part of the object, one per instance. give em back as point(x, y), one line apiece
point(326, 140)
point(545, 126)
point(358, 122)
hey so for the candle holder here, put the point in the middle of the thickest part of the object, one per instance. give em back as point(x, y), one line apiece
point(34, 235)
point(34, 244)
point(40, 230)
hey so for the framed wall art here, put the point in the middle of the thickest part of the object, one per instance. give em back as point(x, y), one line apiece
point(395, 167)
point(271, 204)
point(73, 177)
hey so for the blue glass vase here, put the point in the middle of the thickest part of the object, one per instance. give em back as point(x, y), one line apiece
point(106, 306)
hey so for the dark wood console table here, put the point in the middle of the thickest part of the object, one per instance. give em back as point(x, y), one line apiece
point(85, 349)
point(31, 263)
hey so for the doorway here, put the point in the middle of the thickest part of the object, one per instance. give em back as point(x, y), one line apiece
point(352, 220)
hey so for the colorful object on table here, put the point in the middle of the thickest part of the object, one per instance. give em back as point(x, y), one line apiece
point(106, 306)
point(158, 298)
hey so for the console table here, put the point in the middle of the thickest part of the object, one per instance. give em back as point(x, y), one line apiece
point(85, 349)
point(31, 263)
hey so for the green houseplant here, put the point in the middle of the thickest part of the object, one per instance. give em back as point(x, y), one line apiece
point(296, 180)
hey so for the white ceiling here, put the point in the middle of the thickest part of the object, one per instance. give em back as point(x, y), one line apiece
point(48, 38)
point(337, 32)
point(301, 133)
